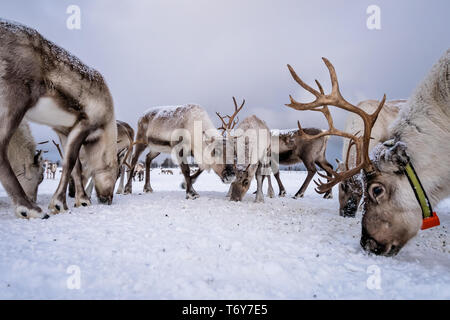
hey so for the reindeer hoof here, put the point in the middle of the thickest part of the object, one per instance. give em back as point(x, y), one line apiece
point(192, 196)
point(282, 194)
point(82, 203)
point(127, 191)
point(27, 213)
point(297, 196)
point(57, 206)
point(148, 190)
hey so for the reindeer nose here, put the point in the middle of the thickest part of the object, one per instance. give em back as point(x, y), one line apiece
point(370, 244)
point(105, 199)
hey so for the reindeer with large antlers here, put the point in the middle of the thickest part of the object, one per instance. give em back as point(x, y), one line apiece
point(252, 144)
point(351, 190)
point(182, 131)
point(395, 202)
point(320, 104)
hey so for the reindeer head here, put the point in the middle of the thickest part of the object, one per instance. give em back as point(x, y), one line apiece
point(389, 220)
point(386, 227)
point(350, 190)
point(32, 176)
point(244, 177)
point(225, 148)
point(101, 151)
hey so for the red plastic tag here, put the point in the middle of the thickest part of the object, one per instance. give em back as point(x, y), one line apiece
point(430, 222)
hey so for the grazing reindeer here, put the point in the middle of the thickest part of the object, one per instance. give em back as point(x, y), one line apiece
point(53, 169)
point(26, 162)
point(170, 172)
point(47, 85)
point(160, 129)
point(125, 138)
point(139, 171)
point(392, 213)
point(293, 149)
point(350, 190)
point(253, 140)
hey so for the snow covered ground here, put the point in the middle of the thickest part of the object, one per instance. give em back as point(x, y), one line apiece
point(161, 246)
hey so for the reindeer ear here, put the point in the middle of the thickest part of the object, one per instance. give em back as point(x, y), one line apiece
point(396, 152)
point(341, 166)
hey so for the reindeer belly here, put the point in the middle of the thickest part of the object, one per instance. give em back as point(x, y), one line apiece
point(48, 112)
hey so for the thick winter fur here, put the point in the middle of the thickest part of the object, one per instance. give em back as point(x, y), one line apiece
point(125, 139)
point(350, 190)
point(422, 134)
point(252, 136)
point(47, 85)
point(26, 161)
point(157, 130)
point(293, 149)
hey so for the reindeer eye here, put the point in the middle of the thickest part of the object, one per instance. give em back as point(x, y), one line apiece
point(376, 191)
point(245, 182)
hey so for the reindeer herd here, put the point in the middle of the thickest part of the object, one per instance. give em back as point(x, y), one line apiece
point(43, 83)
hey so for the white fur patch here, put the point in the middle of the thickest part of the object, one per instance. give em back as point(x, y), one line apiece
point(47, 112)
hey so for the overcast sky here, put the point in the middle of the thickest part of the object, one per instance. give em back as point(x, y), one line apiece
point(166, 52)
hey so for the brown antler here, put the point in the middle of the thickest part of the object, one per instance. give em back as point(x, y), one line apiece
point(232, 120)
point(335, 99)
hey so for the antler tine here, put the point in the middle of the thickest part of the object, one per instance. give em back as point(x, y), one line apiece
point(232, 120)
point(335, 99)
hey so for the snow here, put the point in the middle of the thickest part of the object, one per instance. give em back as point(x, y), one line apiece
point(162, 246)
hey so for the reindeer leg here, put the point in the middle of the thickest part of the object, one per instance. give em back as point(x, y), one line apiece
point(148, 162)
point(25, 208)
point(74, 141)
point(270, 191)
point(328, 168)
point(311, 172)
point(138, 149)
point(81, 197)
point(121, 180)
point(282, 192)
point(190, 192)
point(259, 183)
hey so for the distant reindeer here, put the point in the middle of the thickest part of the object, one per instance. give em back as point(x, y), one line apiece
point(294, 149)
point(351, 190)
point(169, 172)
point(26, 161)
point(140, 171)
point(47, 85)
point(53, 169)
point(156, 131)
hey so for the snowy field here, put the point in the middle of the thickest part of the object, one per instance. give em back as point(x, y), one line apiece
point(161, 246)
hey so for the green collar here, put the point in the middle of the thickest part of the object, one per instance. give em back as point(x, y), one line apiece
point(430, 218)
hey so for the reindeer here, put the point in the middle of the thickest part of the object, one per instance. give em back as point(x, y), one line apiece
point(26, 161)
point(45, 84)
point(392, 213)
point(53, 169)
point(252, 144)
point(140, 171)
point(167, 129)
point(293, 149)
point(125, 138)
point(350, 190)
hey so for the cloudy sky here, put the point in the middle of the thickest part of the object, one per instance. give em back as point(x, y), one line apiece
point(166, 52)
